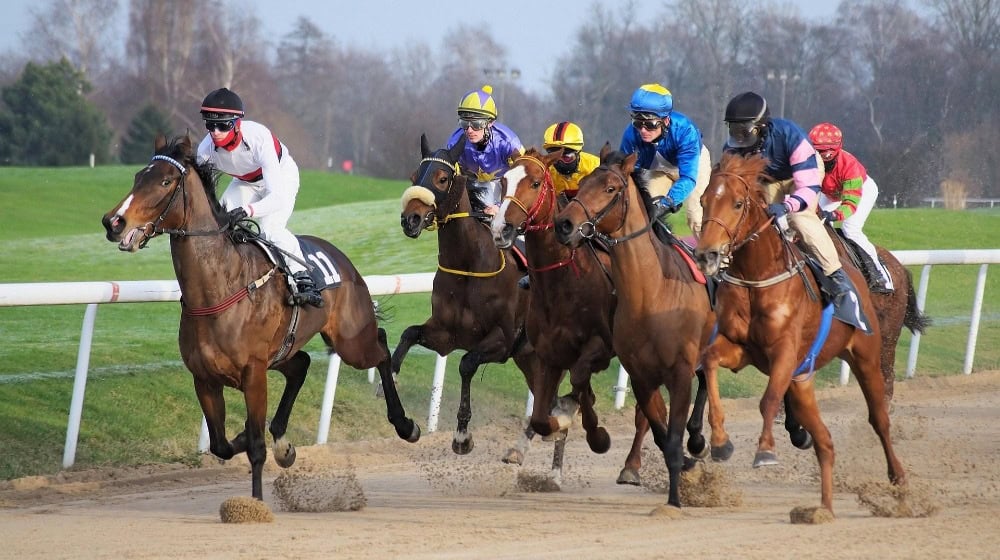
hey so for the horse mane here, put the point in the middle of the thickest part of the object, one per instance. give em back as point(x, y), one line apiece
point(179, 148)
point(750, 168)
point(612, 158)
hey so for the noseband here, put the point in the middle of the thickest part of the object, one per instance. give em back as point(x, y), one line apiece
point(547, 194)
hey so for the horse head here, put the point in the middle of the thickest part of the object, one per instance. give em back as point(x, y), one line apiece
point(437, 188)
point(159, 201)
point(734, 208)
point(601, 206)
point(530, 198)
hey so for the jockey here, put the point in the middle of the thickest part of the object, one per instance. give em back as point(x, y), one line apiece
point(575, 164)
point(490, 149)
point(847, 196)
point(265, 179)
point(670, 148)
point(792, 163)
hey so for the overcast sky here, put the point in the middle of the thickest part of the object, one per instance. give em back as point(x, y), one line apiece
point(379, 25)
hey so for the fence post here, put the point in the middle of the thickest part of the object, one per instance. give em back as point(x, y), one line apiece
point(79, 385)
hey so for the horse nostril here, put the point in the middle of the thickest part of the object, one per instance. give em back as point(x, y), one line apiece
point(507, 230)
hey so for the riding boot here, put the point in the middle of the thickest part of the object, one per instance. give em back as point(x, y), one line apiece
point(524, 283)
point(841, 285)
point(306, 288)
point(877, 283)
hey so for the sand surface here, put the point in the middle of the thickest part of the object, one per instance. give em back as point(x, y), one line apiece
point(389, 499)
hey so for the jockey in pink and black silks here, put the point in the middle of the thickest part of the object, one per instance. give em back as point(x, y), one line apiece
point(490, 148)
point(265, 179)
point(793, 164)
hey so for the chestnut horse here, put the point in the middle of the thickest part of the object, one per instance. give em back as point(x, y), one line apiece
point(476, 305)
point(769, 316)
point(662, 319)
point(572, 303)
point(235, 323)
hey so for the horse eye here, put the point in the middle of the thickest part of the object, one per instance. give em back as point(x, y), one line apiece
point(739, 204)
point(166, 182)
point(536, 184)
point(610, 189)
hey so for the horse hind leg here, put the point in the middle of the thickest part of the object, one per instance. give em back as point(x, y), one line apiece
point(872, 387)
point(295, 370)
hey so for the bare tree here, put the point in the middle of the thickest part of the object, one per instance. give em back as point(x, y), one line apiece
point(81, 31)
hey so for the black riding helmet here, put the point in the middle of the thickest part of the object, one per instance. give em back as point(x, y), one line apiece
point(221, 105)
point(746, 115)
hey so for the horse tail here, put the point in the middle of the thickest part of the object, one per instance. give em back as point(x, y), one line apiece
point(915, 319)
point(384, 312)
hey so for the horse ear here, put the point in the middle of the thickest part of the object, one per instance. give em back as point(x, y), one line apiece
point(606, 149)
point(629, 162)
point(457, 149)
point(159, 142)
point(425, 149)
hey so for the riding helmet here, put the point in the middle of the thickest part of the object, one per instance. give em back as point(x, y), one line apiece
point(652, 99)
point(826, 137)
point(747, 106)
point(563, 135)
point(478, 103)
point(221, 105)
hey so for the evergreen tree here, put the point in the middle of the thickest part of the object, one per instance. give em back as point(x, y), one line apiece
point(49, 119)
point(137, 145)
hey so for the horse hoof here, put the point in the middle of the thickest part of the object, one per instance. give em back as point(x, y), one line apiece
point(722, 452)
point(697, 446)
point(414, 433)
point(764, 459)
point(801, 439)
point(463, 447)
point(285, 459)
point(599, 440)
point(689, 463)
point(513, 457)
point(628, 476)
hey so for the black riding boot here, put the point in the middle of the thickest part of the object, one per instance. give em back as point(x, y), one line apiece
point(841, 285)
point(307, 292)
point(877, 284)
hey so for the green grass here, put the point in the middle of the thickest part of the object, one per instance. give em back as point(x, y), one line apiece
point(140, 404)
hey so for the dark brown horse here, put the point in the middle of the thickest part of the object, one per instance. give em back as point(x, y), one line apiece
point(476, 305)
point(572, 304)
point(894, 310)
point(769, 316)
point(235, 323)
point(662, 319)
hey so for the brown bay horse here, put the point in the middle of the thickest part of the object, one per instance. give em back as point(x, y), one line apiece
point(235, 322)
point(662, 319)
point(572, 305)
point(476, 305)
point(769, 316)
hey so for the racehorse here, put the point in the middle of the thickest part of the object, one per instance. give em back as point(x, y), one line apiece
point(572, 303)
point(894, 310)
point(662, 319)
point(768, 316)
point(235, 323)
point(476, 305)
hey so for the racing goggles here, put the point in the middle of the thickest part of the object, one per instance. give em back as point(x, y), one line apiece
point(646, 124)
point(474, 124)
point(743, 134)
point(568, 155)
point(221, 126)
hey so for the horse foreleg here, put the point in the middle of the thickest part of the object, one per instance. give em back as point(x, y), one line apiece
point(696, 440)
point(802, 401)
point(597, 436)
point(213, 406)
point(462, 442)
point(255, 397)
point(778, 379)
point(670, 437)
point(410, 336)
point(721, 353)
point(405, 427)
point(294, 369)
point(633, 462)
point(515, 455)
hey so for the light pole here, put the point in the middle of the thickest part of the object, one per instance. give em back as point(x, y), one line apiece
point(783, 76)
point(502, 76)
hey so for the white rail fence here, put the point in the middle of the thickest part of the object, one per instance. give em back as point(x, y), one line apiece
point(94, 293)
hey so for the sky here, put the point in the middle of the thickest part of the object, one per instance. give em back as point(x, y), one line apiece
point(380, 25)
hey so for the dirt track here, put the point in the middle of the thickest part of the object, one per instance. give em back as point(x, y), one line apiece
point(424, 502)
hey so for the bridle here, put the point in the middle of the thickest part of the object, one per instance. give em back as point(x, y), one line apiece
point(588, 228)
point(431, 221)
point(547, 195)
point(154, 226)
point(733, 245)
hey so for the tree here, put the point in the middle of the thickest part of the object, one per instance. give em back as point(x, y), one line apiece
point(138, 142)
point(50, 121)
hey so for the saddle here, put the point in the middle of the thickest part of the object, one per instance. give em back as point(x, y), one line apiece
point(321, 269)
point(849, 311)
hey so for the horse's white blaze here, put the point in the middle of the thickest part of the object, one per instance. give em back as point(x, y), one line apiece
point(513, 177)
point(124, 207)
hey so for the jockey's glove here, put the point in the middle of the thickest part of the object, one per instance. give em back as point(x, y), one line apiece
point(235, 215)
point(777, 210)
point(827, 216)
point(669, 205)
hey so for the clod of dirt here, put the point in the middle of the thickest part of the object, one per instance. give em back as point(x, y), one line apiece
point(888, 500)
point(319, 490)
point(667, 511)
point(810, 515)
point(245, 509)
